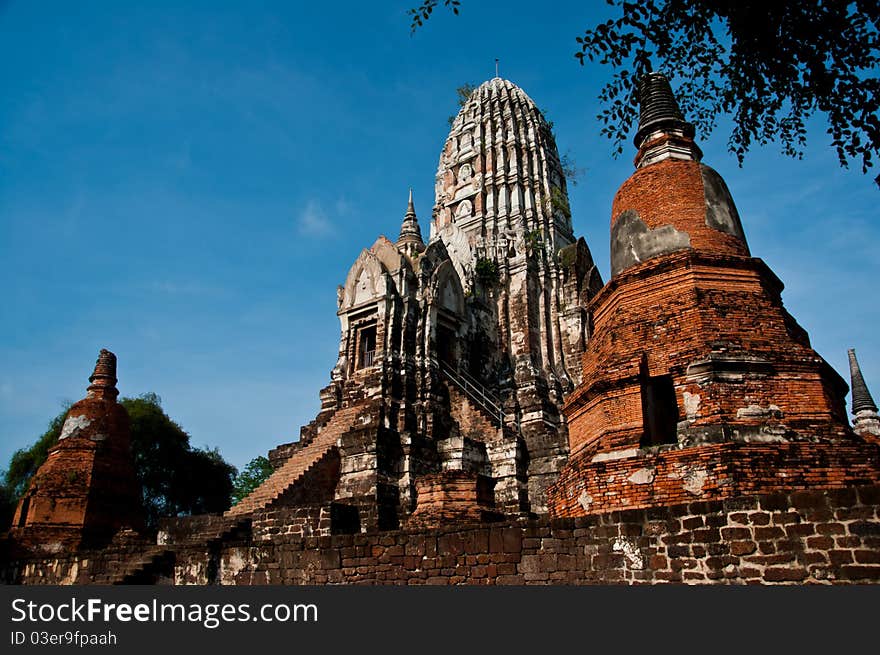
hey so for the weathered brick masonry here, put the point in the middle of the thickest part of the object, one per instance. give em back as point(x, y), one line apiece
point(709, 472)
point(497, 416)
point(696, 380)
point(822, 537)
point(86, 489)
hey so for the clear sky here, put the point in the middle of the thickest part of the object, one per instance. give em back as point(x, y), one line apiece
point(187, 183)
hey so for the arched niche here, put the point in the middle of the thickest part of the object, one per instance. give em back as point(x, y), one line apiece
point(448, 312)
point(450, 294)
point(458, 249)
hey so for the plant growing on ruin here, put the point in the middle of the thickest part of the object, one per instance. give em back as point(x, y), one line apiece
point(535, 241)
point(558, 202)
point(567, 256)
point(570, 169)
point(462, 93)
point(549, 122)
point(487, 273)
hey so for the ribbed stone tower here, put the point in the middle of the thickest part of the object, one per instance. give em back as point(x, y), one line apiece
point(502, 210)
point(500, 174)
point(454, 355)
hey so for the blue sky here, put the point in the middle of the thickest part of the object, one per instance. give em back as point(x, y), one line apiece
point(186, 184)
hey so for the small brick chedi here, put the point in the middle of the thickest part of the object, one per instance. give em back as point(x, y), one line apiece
point(499, 415)
point(86, 490)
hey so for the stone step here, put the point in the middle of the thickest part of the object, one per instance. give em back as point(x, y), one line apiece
point(134, 566)
point(300, 462)
point(485, 422)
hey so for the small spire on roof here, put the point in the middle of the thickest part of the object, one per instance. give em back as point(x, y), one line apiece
point(410, 240)
point(866, 423)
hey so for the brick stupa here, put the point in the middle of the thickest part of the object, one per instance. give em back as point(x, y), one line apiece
point(86, 490)
point(697, 383)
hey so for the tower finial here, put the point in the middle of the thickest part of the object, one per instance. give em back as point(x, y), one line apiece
point(663, 132)
point(658, 107)
point(866, 423)
point(861, 397)
point(103, 379)
point(496, 67)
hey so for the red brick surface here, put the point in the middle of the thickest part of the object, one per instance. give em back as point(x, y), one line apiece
point(448, 498)
point(86, 490)
point(671, 193)
point(709, 472)
point(807, 537)
point(682, 309)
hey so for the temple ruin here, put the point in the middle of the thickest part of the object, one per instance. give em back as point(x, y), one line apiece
point(499, 414)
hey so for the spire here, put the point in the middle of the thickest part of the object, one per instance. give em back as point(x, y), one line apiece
point(410, 240)
point(103, 379)
point(661, 124)
point(861, 397)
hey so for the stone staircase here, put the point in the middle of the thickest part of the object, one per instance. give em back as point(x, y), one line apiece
point(478, 394)
point(472, 419)
point(137, 569)
point(132, 570)
point(298, 465)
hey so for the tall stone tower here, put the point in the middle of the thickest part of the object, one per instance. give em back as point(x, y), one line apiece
point(455, 354)
point(696, 381)
point(502, 210)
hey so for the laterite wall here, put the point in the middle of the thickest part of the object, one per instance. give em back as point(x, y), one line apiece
point(802, 537)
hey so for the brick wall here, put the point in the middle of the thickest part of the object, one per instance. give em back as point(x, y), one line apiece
point(708, 472)
point(717, 327)
point(305, 521)
point(824, 537)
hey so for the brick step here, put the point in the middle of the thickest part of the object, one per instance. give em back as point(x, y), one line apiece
point(134, 566)
point(486, 422)
point(269, 494)
point(299, 464)
point(129, 571)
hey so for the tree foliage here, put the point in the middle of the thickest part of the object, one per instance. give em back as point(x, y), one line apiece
point(176, 478)
point(770, 65)
point(23, 465)
point(26, 461)
point(423, 12)
point(254, 474)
